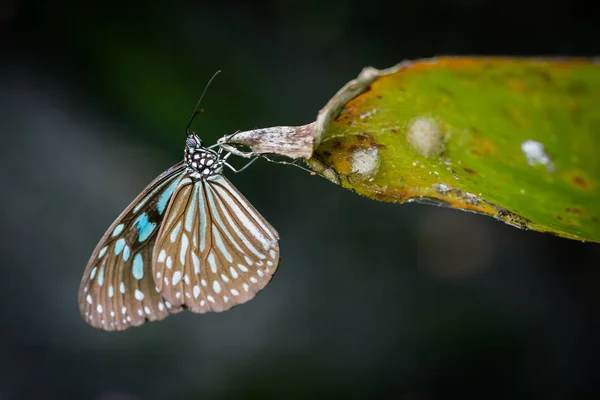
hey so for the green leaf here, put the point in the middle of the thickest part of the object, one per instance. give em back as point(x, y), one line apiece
point(514, 138)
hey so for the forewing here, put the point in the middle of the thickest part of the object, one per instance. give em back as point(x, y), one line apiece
point(213, 250)
point(117, 290)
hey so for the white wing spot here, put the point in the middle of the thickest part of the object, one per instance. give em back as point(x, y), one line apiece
point(162, 255)
point(128, 318)
point(210, 298)
point(216, 287)
point(233, 272)
point(224, 278)
point(176, 277)
point(187, 294)
point(147, 311)
point(253, 279)
point(166, 281)
point(202, 303)
point(178, 294)
point(196, 262)
point(260, 273)
point(89, 299)
point(99, 308)
point(248, 260)
point(168, 304)
point(122, 288)
point(212, 262)
point(138, 295)
point(161, 307)
point(272, 253)
point(270, 263)
point(140, 312)
point(158, 274)
point(226, 299)
point(100, 278)
point(186, 278)
point(220, 244)
point(191, 211)
point(123, 310)
point(85, 289)
point(111, 291)
point(93, 273)
point(183, 250)
point(242, 268)
point(112, 314)
point(196, 291)
point(266, 270)
point(175, 232)
point(234, 292)
point(203, 282)
point(124, 321)
point(169, 262)
point(259, 264)
point(245, 286)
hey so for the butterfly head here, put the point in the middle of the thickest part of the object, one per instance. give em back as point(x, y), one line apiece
point(203, 161)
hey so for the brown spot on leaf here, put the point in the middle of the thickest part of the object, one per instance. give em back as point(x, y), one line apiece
point(580, 181)
point(339, 153)
point(481, 145)
point(470, 171)
point(516, 85)
point(574, 211)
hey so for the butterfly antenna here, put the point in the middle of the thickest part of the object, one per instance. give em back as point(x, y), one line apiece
point(196, 109)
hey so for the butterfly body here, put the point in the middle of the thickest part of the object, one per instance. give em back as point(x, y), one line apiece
point(190, 240)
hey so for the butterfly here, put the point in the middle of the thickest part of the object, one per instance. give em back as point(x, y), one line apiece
point(190, 240)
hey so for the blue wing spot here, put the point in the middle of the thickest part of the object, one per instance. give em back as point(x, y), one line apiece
point(102, 251)
point(138, 267)
point(118, 230)
point(126, 253)
point(166, 196)
point(119, 246)
point(144, 227)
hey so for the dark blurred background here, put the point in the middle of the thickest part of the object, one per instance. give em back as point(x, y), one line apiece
point(371, 299)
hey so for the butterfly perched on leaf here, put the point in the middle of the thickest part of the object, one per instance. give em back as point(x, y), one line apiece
point(190, 240)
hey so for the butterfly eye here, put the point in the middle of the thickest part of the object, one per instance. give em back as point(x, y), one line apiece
point(191, 141)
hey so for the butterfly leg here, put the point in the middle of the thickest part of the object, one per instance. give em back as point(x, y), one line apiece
point(241, 169)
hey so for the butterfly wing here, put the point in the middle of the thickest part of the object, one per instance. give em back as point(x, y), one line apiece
point(117, 290)
point(213, 250)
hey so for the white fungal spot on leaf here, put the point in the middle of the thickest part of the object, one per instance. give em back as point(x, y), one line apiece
point(425, 136)
point(365, 162)
point(536, 154)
